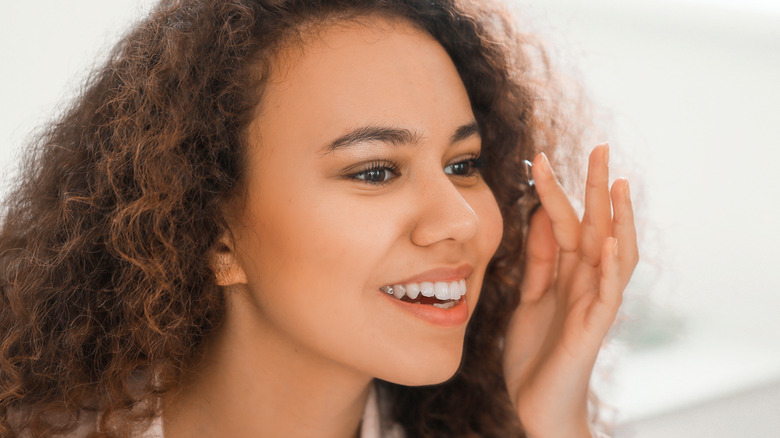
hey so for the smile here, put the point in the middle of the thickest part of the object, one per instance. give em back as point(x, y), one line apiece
point(443, 295)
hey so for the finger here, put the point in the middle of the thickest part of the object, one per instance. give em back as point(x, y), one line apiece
point(564, 220)
point(602, 312)
point(624, 229)
point(541, 258)
point(597, 219)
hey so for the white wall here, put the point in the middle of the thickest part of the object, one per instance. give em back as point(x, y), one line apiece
point(46, 49)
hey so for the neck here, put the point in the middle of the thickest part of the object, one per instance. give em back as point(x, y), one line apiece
point(254, 382)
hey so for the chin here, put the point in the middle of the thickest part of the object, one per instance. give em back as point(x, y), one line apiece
point(424, 370)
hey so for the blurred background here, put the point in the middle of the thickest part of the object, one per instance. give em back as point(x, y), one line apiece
point(688, 94)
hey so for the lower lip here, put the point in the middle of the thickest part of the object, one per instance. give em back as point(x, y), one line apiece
point(454, 316)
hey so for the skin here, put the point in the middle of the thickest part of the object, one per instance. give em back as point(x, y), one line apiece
point(307, 329)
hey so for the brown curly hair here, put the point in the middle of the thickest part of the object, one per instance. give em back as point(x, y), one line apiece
point(105, 241)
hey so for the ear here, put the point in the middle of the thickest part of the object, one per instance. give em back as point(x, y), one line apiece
point(225, 263)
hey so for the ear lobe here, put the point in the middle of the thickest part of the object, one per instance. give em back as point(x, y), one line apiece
point(225, 264)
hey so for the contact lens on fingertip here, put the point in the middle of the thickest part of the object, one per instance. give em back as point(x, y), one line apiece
point(527, 191)
point(529, 174)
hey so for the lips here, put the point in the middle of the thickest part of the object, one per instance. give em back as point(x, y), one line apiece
point(441, 314)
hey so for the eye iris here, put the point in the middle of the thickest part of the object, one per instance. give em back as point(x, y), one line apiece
point(374, 175)
point(462, 168)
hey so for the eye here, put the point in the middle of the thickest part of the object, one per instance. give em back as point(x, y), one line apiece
point(467, 167)
point(376, 173)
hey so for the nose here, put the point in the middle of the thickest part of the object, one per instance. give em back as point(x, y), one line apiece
point(443, 213)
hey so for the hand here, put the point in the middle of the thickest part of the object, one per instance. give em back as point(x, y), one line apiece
point(574, 279)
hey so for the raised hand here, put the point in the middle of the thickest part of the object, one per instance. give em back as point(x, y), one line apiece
point(573, 285)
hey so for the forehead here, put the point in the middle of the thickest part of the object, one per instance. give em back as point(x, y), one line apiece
point(367, 70)
point(313, 38)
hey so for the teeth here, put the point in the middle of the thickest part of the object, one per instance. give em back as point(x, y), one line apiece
point(446, 305)
point(441, 290)
point(413, 290)
point(399, 291)
point(454, 290)
point(427, 289)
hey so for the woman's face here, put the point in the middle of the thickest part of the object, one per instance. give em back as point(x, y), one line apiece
point(361, 176)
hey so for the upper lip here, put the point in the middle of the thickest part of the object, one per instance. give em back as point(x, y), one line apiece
point(442, 273)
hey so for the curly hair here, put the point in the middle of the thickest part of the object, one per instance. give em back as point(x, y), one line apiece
point(105, 240)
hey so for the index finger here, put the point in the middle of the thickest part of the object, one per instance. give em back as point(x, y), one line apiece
point(564, 220)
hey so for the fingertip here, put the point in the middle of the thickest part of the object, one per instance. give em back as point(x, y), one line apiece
point(542, 164)
point(600, 153)
point(620, 193)
point(619, 189)
point(598, 169)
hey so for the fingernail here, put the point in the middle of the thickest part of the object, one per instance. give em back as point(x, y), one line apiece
point(606, 154)
point(627, 192)
point(614, 247)
point(545, 167)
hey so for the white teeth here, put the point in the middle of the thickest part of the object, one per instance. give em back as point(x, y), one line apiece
point(399, 291)
point(454, 289)
point(426, 289)
point(446, 305)
point(441, 290)
point(413, 290)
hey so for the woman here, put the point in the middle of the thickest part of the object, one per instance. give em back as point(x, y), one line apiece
point(309, 218)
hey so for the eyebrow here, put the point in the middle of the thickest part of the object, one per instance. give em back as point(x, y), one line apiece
point(393, 136)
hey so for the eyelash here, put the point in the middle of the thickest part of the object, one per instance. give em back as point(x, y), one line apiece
point(474, 162)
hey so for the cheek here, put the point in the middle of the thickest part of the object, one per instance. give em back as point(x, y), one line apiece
point(491, 223)
point(313, 240)
point(488, 237)
point(310, 256)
